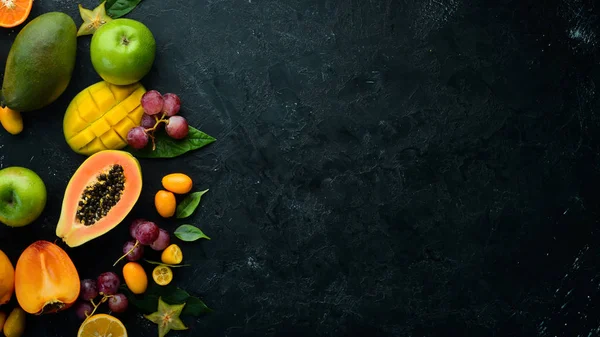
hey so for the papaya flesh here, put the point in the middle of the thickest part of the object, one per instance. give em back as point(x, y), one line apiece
point(100, 116)
point(100, 194)
point(40, 62)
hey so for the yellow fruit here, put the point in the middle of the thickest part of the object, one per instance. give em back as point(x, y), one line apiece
point(165, 203)
point(2, 320)
point(162, 275)
point(7, 278)
point(177, 183)
point(15, 323)
point(172, 255)
point(135, 277)
point(11, 120)
point(102, 325)
point(100, 116)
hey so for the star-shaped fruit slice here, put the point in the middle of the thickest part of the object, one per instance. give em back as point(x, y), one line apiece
point(167, 317)
point(92, 19)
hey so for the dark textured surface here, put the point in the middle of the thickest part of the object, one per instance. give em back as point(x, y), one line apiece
point(382, 168)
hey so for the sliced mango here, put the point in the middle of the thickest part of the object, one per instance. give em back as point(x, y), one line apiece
point(100, 116)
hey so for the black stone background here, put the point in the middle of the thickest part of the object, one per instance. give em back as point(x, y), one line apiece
point(382, 168)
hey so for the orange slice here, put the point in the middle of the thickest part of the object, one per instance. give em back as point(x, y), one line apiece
point(101, 325)
point(14, 12)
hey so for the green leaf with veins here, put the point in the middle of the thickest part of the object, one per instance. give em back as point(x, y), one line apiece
point(188, 205)
point(119, 8)
point(190, 233)
point(167, 147)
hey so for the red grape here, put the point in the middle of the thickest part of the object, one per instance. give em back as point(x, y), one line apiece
point(152, 102)
point(147, 232)
point(163, 240)
point(82, 309)
point(136, 253)
point(137, 138)
point(147, 121)
point(172, 104)
point(177, 127)
point(108, 283)
point(88, 290)
point(134, 225)
point(118, 303)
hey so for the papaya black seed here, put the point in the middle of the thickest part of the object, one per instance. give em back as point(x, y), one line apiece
point(99, 197)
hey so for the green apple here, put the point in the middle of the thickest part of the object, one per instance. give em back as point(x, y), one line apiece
point(22, 196)
point(122, 51)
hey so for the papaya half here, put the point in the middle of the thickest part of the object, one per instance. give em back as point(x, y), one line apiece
point(100, 116)
point(99, 195)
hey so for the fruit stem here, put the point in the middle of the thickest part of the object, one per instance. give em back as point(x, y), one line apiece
point(150, 131)
point(104, 298)
point(162, 119)
point(128, 252)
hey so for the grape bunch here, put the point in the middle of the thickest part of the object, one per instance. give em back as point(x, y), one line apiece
point(144, 233)
point(105, 286)
point(158, 109)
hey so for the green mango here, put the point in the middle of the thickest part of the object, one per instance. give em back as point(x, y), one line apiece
point(40, 62)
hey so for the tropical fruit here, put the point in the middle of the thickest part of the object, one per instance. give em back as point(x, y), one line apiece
point(14, 12)
point(7, 279)
point(40, 62)
point(100, 116)
point(46, 280)
point(99, 196)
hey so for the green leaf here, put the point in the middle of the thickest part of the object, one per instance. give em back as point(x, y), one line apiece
point(147, 303)
point(166, 264)
point(188, 205)
point(190, 233)
point(167, 147)
point(195, 307)
point(177, 295)
point(118, 8)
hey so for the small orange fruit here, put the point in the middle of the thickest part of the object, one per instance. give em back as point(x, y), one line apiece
point(165, 203)
point(177, 183)
point(135, 277)
point(14, 326)
point(11, 120)
point(102, 325)
point(2, 319)
point(162, 275)
point(14, 12)
point(7, 278)
point(172, 255)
